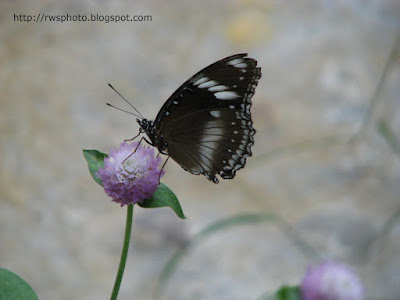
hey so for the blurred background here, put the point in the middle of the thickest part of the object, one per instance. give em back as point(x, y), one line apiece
point(325, 162)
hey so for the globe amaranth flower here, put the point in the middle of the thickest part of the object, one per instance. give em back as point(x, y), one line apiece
point(133, 179)
point(331, 281)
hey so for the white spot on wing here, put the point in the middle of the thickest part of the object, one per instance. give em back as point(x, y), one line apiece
point(207, 84)
point(235, 61)
point(201, 80)
point(240, 66)
point(226, 95)
point(215, 113)
point(218, 88)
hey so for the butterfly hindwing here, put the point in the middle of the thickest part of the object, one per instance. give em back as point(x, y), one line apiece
point(206, 123)
point(212, 147)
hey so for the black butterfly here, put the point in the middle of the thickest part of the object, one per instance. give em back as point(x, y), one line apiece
point(206, 126)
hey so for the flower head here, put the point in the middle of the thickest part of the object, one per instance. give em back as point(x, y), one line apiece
point(130, 178)
point(331, 281)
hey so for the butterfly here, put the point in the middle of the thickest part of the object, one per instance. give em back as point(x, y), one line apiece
point(206, 125)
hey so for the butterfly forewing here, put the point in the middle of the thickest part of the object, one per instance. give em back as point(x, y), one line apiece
point(207, 121)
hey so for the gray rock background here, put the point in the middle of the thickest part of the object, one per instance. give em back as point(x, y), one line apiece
point(319, 163)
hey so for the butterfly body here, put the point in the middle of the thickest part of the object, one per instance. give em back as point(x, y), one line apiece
point(206, 125)
point(154, 135)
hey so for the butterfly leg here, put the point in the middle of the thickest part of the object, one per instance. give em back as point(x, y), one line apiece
point(162, 168)
point(148, 142)
point(134, 150)
point(133, 137)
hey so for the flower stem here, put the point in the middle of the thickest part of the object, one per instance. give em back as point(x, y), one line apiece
point(124, 254)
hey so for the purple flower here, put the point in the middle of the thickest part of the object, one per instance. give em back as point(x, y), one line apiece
point(134, 179)
point(331, 281)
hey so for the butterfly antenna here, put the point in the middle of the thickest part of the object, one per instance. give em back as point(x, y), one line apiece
point(129, 112)
point(125, 101)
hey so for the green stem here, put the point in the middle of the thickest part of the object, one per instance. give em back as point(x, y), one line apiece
point(124, 254)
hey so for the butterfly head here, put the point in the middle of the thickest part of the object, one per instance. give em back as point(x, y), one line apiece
point(144, 124)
